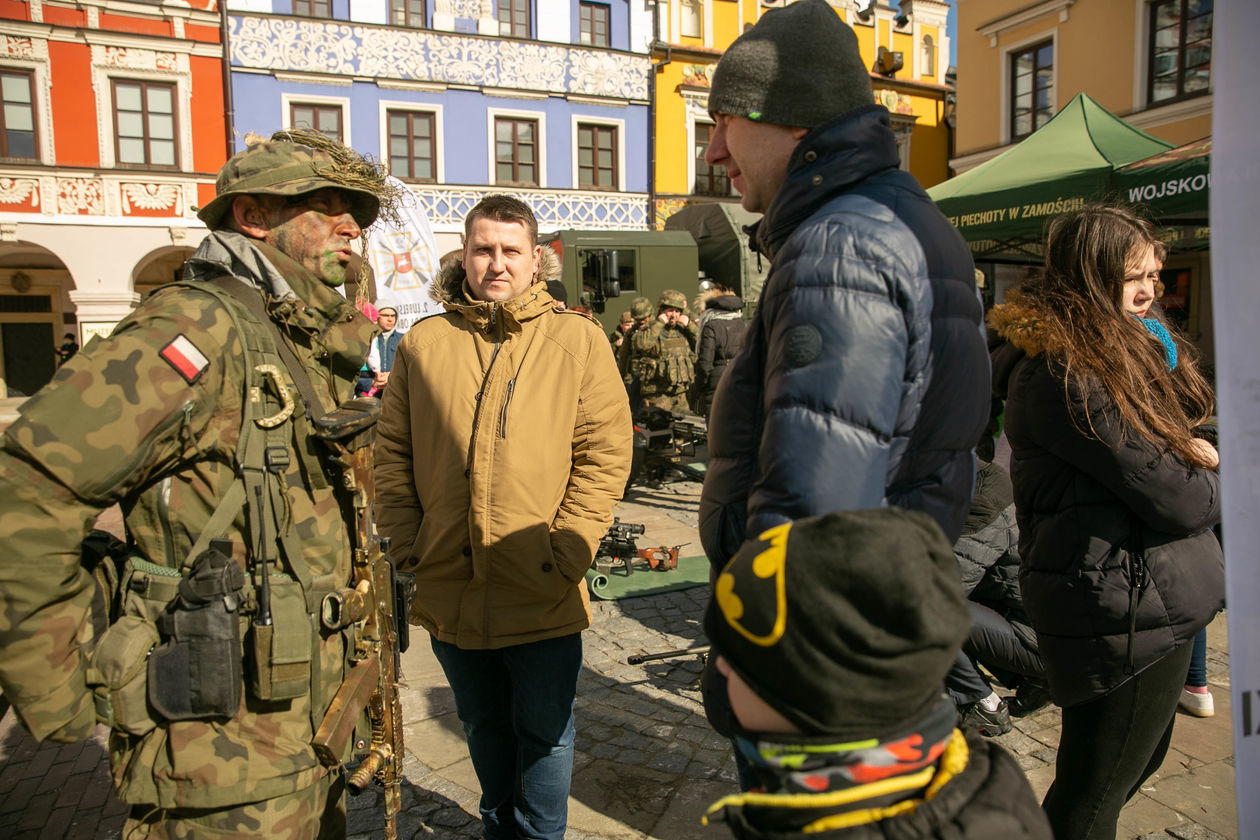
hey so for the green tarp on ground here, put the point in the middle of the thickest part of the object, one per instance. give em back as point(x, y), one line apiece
point(1060, 167)
point(616, 584)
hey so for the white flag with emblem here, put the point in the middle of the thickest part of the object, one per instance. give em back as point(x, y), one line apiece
point(404, 259)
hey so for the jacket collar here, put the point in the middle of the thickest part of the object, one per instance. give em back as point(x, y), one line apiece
point(828, 161)
point(451, 290)
point(294, 296)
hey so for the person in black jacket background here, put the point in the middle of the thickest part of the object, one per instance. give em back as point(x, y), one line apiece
point(1115, 499)
point(722, 328)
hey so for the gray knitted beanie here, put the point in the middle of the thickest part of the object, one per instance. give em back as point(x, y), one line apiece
point(799, 66)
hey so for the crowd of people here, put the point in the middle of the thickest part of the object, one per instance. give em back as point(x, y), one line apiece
point(870, 578)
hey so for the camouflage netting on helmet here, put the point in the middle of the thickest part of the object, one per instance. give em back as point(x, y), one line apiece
point(351, 169)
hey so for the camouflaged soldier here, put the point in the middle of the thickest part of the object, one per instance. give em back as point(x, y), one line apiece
point(641, 317)
point(663, 354)
point(153, 417)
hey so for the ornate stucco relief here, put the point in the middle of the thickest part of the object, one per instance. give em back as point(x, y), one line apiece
point(17, 190)
point(420, 55)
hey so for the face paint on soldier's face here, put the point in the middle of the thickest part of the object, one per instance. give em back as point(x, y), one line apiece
point(317, 232)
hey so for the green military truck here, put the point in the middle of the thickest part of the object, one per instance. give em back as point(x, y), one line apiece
point(606, 269)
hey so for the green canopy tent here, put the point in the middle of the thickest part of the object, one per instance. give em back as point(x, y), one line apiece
point(1002, 205)
point(1173, 185)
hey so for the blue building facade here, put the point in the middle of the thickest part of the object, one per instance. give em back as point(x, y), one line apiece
point(545, 99)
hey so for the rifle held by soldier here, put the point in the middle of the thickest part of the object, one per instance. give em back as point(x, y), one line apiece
point(375, 606)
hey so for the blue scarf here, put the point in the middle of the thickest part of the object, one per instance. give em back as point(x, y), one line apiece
point(1155, 328)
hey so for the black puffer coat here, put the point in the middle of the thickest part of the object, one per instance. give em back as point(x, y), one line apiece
point(864, 377)
point(722, 328)
point(1119, 563)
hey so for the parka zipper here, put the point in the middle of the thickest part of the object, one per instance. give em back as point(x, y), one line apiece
point(507, 400)
point(1137, 582)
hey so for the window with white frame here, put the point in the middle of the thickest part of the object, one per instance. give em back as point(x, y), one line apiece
point(18, 137)
point(597, 151)
point(691, 18)
point(1032, 88)
point(409, 13)
point(313, 8)
point(593, 24)
point(514, 18)
point(144, 122)
point(710, 180)
point(324, 118)
point(516, 151)
point(927, 57)
point(1179, 50)
point(412, 145)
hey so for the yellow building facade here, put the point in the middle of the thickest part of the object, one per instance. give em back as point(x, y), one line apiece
point(1146, 61)
point(1149, 62)
point(907, 50)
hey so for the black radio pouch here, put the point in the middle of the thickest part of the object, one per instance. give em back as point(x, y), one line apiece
point(195, 674)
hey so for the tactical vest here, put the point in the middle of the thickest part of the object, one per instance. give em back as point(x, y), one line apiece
point(676, 368)
point(277, 658)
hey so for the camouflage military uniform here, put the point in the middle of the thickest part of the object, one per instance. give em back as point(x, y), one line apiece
point(662, 358)
point(150, 418)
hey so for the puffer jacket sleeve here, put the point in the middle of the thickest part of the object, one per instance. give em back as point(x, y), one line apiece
point(601, 458)
point(847, 336)
point(1164, 492)
point(398, 511)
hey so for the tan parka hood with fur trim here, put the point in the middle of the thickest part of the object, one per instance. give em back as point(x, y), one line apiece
point(504, 443)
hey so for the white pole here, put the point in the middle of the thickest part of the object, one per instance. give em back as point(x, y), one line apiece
point(1235, 217)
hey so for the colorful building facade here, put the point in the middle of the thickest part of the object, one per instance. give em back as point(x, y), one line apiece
point(1147, 61)
point(547, 99)
point(112, 128)
point(907, 50)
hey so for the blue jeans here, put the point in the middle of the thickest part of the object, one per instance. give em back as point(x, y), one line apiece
point(516, 705)
point(1197, 675)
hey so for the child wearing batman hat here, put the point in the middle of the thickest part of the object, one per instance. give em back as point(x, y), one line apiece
point(831, 637)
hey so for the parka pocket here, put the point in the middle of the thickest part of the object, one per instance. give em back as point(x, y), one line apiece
point(117, 675)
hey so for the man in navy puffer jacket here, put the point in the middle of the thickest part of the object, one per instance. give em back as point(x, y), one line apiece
point(864, 376)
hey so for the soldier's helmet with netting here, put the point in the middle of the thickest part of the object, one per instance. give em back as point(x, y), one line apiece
point(293, 163)
point(641, 308)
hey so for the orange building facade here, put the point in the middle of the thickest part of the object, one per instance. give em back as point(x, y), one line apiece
point(113, 130)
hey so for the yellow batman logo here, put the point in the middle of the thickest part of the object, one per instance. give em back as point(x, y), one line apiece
point(770, 562)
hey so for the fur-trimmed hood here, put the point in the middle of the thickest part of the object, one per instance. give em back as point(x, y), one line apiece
point(1020, 324)
point(450, 287)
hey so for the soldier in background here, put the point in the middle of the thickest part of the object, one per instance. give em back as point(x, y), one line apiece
point(663, 354)
point(641, 315)
point(618, 336)
point(155, 418)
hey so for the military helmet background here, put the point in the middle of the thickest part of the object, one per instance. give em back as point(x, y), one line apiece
point(672, 297)
point(627, 317)
point(286, 168)
point(641, 308)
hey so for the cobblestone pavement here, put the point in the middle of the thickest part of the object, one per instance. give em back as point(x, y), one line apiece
point(646, 764)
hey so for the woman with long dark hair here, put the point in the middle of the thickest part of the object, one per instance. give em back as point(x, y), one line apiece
point(1115, 498)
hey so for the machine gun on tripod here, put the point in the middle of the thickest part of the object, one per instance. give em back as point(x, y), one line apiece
point(665, 442)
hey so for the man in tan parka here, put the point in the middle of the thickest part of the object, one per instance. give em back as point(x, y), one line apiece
point(503, 445)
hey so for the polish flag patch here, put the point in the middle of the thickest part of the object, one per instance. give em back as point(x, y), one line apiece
point(183, 355)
